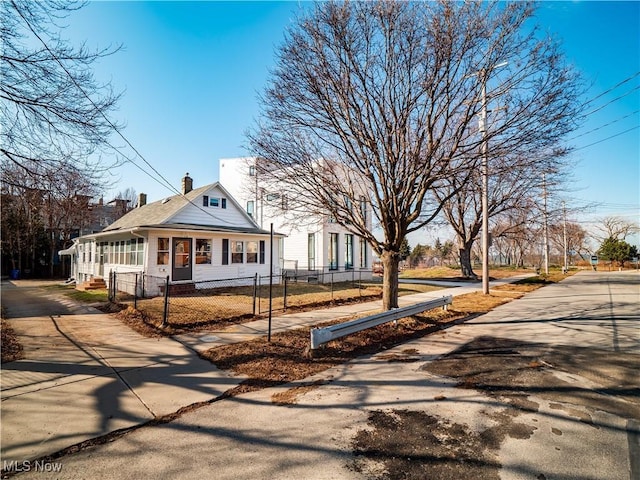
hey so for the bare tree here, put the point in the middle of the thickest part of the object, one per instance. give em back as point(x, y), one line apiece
point(617, 228)
point(380, 99)
point(53, 112)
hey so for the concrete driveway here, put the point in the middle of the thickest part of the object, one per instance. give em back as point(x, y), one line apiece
point(582, 335)
point(85, 374)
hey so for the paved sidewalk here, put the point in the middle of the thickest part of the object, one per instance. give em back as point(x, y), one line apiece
point(249, 436)
point(85, 374)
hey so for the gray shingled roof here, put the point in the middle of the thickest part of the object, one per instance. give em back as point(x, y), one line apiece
point(158, 212)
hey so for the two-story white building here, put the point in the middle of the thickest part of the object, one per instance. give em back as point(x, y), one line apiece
point(314, 244)
point(202, 234)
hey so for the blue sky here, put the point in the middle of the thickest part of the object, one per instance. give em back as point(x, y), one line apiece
point(191, 72)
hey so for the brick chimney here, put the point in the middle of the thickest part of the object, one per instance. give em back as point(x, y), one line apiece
point(187, 184)
point(142, 199)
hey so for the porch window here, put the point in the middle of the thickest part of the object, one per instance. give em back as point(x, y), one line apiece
point(252, 252)
point(163, 251)
point(237, 252)
point(140, 252)
point(129, 254)
point(203, 251)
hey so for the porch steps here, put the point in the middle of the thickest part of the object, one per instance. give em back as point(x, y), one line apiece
point(93, 284)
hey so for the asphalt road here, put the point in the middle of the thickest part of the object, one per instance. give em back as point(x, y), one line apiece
point(547, 383)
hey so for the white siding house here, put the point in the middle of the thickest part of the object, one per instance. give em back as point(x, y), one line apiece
point(316, 245)
point(201, 235)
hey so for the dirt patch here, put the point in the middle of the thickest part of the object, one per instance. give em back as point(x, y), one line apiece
point(405, 444)
point(290, 396)
point(11, 348)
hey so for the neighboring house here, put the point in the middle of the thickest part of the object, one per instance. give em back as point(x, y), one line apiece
point(315, 245)
point(200, 235)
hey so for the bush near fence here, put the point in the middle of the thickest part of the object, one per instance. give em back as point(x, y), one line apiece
point(223, 301)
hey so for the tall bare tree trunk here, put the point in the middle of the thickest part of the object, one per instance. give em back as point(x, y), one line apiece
point(390, 263)
point(465, 261)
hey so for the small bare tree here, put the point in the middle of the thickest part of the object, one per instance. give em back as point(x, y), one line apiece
point(380, 100)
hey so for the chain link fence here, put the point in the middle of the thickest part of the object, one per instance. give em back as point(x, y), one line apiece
point(189, 304)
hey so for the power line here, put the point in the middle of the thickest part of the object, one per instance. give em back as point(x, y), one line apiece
point(613, 88)
point(604, 126)
point(605, 139)
point(611, 101)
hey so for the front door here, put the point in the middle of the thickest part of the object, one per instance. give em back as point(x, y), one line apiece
point(181, 267)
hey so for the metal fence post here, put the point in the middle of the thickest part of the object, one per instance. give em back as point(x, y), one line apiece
point(331, 286)
point(135, 293)
point(284, 294)
point(255, 292)
point(165, 314)
point(259, 295)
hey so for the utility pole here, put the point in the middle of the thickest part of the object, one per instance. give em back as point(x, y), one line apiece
point(485, 178)
point(485, 186)
point(564, 236)
point(545, 226)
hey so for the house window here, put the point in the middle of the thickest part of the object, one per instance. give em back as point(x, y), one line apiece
point(237, 252)
point(333, 251)
point(363, 253)
point(251, 207)
point(348, 251)
point(129, 255)
point(218, 202)
point(225, 251)
point(163, 251)
point(252, 252)
point(311, 251)
point(262, 252)
point(140, 252)
point(205, 200)
point(111, 251)
point(203, 251)
point(121, 253)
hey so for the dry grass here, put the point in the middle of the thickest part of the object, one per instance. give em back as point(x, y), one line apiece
point(287, 358)
point(454, 273)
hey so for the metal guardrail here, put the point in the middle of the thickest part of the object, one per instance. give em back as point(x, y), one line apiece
point(321, 336)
